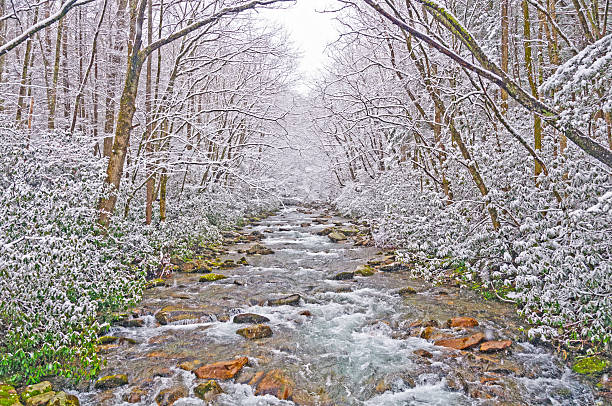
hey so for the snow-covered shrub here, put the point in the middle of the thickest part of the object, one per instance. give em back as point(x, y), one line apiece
point(552, 257)
point(57, 272)
point(60, 276)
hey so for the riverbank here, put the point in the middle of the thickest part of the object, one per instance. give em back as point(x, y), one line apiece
point(346, 324)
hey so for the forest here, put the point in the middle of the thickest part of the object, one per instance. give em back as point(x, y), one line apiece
point(460, 145)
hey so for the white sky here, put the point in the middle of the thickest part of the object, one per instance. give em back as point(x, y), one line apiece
point(309, 30)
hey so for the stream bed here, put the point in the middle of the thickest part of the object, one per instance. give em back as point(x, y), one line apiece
point(364, 340)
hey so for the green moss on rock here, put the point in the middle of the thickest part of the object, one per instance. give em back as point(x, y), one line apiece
point(8, 396)
point(211, 277)
point(591, 366)
point(35, 390)
point(111, 381)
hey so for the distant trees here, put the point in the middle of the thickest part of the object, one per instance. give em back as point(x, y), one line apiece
point(81, 71)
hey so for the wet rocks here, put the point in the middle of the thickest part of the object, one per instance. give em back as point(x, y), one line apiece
point(195, 266)
point(274, 383)
point(292, 300)
point(221, 370)
point(107, 339)
point(111, 381)
point(406, 291)
point(31, 391)
point(591, 365)
point(461, 343)
point(492, 346)
point(306, 313)
point(173, 314)
point(259, 249)
point(326, 231)
point(365, 270)
point(208, 391)
point(243, 261)
point(167, 397)
point(350, 231)
point(135, 395)
point(423, 353)
point(132, 323)
point(40, 400)
point(63, 399)
point(212, 277)
point(255, 332)
point(394, 267)
point(343, 276)
point(336, 236)
point(8, 395)
point(461, 322)
point(250, 318)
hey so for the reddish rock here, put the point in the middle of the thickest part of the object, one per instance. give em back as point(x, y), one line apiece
point(462, 322)
point(273, 383)
point(168, 397)
point(306, 313)
point(461, 343)
point(221, 370)
point(491, 346)
point(423, 353)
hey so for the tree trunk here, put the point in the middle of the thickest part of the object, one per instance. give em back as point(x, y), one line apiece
point(504, 50)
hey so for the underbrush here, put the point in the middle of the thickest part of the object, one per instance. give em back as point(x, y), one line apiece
point(60, 277)
point(552, 257)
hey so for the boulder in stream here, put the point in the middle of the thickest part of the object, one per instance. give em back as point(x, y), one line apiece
point(208, 390)
point(336, 236)
point(344, 276)
point(461, 343)
point(63, 399)
point(173, 314)
point(491, 346)
point(461, 322)
point(292, 300)
point(259, 249)
point(111, 381)
point(212, 277)
point(221, 370)
point(255, 332)
point(40, 400)
point(167, 397)
point(250, 318)
point(274, 383)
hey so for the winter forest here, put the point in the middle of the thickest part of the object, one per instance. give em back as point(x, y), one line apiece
point(425, 219)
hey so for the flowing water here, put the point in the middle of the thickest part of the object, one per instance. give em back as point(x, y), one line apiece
point(355, 348)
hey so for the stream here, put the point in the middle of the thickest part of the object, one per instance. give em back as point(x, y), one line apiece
point(358, 341)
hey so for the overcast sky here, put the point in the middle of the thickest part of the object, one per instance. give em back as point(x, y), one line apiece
point(310, 30)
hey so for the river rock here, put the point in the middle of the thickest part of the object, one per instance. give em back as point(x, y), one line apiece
point(107, 339)
point(212, 277)
point(336, 236)
point(195, 266)
point(111, 381)
point(349, 231)
point(423, 353)
point(259, 249)
point(8, 395)
point(292, 300)
point(274, 383)
point(167, 397)
point(406, 291)
point(326, 231)
point(250, 318)
point(461, 343)
point(35, 390)
point(364, 270)
point(461, 322)
point(491, 346)
point(40, 400)
point(221, 370)
point(255, 332)
point(394, 267)
point(208, 391)
point(63, 399)
point(305, 225)
point(132, 323)
point(172, 314)
point(344, 276)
